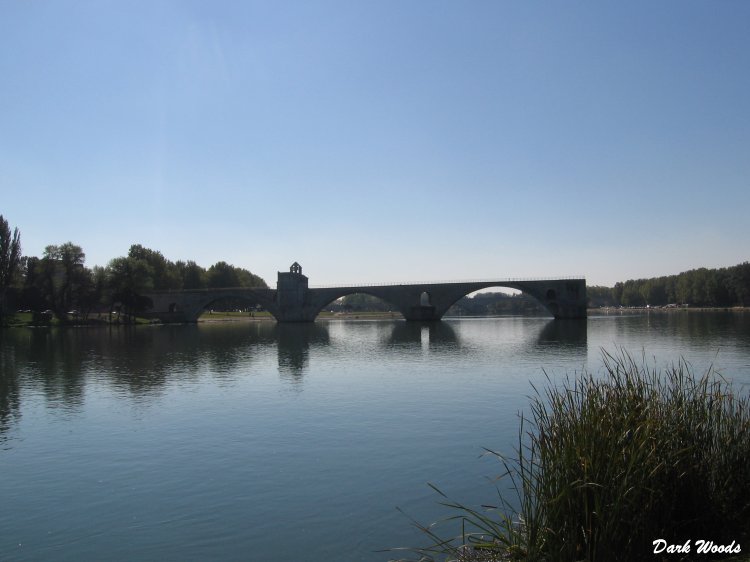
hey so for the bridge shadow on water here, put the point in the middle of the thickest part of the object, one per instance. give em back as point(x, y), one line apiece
point(293, 343)
point(432, 334)
point(571, 334)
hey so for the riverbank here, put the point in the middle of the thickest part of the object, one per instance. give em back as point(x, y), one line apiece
point(40, 320)
point(663, 309)
point(266, 316)
point(27, 319)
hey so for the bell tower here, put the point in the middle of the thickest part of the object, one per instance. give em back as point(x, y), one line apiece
point(292, 291)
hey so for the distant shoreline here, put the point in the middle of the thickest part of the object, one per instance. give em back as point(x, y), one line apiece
point(666, 309)
point(223, 317)
point(218, 317)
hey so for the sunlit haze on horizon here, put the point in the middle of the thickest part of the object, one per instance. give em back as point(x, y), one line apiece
point(382, 141)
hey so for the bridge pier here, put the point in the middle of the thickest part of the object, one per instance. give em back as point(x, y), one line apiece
point(421, 313)
point(294, 297)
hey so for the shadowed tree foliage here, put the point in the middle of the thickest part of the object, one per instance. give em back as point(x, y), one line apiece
point(31, 293)
point(127, 278)
point(63, 278)
point(10, 260)
point(724, 287)
point(739, 282)
point(164, 273)
point(60, 282)
point(95, 292)
point(222, 274)
point(601, 296)
point(144, 270)
point(192, 275)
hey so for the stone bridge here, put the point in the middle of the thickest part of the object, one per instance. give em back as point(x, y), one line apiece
point(294, 301)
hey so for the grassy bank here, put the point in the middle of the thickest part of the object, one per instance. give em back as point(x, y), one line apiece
point(665, 309)
point(325, 315)
point(28, 319)
point(17, 320)
point(217, 316)
point(606, 465)
point(25, 319)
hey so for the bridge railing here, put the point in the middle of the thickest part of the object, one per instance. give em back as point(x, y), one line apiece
point(451, 282)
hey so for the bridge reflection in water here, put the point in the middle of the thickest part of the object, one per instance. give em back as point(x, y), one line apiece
point(294, 300)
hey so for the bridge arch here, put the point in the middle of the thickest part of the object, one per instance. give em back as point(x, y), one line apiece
point(547, 296)
point(451, 297)
point(334, 295)
point(243, 295)
point(496, 299)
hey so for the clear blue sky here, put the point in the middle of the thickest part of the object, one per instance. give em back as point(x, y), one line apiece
point(382, 140)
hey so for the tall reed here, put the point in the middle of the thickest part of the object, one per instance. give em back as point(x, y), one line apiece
point(611, 463)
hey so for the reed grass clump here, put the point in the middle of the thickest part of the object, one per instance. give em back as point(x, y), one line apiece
point(608, 464)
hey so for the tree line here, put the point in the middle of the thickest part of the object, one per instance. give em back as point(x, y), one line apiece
point(60, 282)
point(722, 287)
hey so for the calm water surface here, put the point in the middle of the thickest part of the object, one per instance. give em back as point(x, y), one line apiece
point(257, 441)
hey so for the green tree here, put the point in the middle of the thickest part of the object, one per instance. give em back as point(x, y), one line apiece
point(193, 276)
point(31, 293)
point(10, 260)
point(723, 290)
point(222, 275)
point(600, 296)
point(653, 291)
point(617, 292)
point(631, 295)
point(670, 287)
point(697, 287)
point(127, 279)
point(63, 277)
point(739, 283)
point(248, 279)
point(93, 291)
point(165, 275)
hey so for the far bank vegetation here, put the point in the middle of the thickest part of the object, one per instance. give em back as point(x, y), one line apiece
point(723, 288)
point(58, 285)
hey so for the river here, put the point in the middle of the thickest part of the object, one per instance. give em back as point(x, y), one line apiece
point(263, 441)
